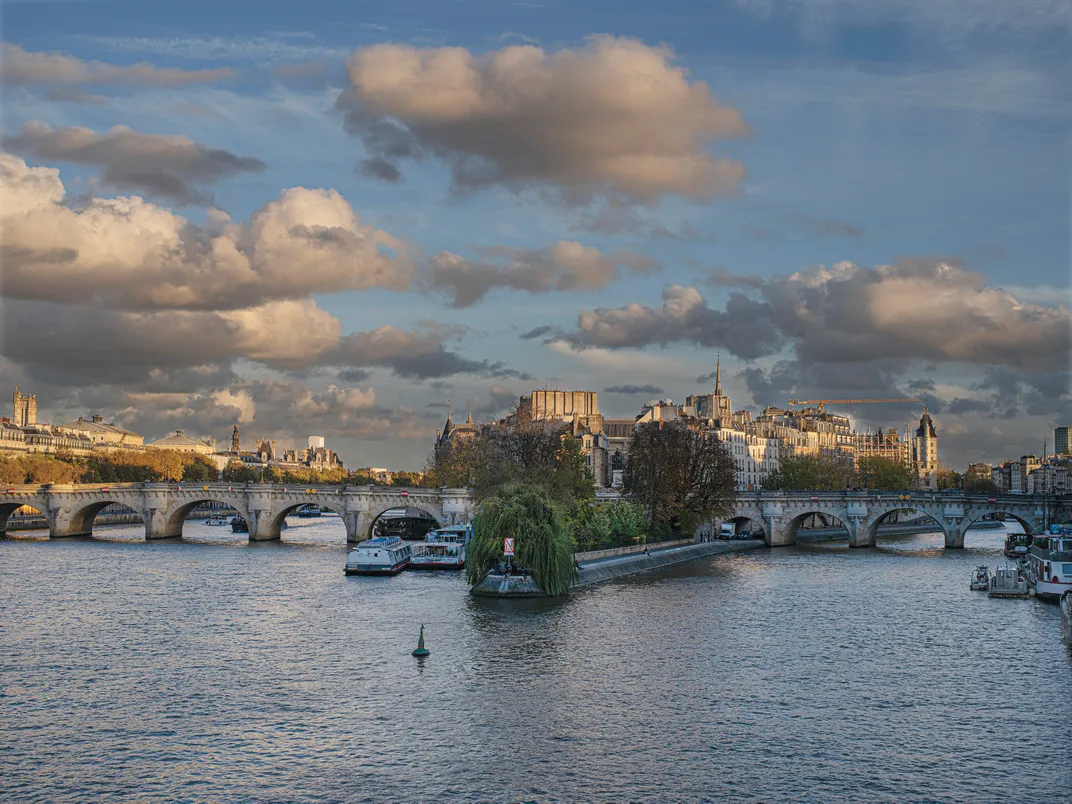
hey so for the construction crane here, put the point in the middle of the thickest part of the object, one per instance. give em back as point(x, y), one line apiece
point(822, 402)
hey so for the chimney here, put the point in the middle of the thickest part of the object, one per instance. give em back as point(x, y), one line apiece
point(98, 419)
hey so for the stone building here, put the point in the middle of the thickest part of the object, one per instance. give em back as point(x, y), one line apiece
point(24, 409)
point(925, 452)
point(105, 434)
point(180, 442)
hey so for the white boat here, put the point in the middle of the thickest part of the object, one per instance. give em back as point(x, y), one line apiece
point(442, 549)
point(980, 581)
point(1066, 617)
point(217, 520)
point(1049, 562)
point(384, 555)
point(1008, 581)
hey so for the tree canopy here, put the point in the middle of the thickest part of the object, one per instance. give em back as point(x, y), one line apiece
point(529, 515)
point(542, 453)
point(682, 476)
point(830, 473)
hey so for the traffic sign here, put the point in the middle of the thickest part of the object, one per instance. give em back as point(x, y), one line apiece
point(508, 546)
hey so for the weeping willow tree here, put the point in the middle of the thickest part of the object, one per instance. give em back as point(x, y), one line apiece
point(541, 541)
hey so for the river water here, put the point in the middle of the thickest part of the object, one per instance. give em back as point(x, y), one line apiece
point(227, 672)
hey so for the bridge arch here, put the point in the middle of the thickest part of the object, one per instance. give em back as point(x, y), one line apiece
point(797, 518)
point(746, 522)
point(9, 509)
point(79, 519)
point(174, 516)
point(879, 517)
point(337, 506)
point(377, 511)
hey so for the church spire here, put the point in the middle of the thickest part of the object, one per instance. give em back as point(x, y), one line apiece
point(718, 375)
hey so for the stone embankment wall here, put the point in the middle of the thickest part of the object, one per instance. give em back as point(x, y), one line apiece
point(618, 562)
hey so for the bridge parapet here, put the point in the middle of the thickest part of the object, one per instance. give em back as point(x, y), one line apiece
point(70, 508)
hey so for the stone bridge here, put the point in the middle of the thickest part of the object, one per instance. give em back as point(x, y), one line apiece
point(780, 514)
point(163, 507)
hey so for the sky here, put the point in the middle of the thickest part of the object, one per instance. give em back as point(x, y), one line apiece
point(338, 219)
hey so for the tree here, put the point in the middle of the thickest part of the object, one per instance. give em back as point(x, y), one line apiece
point(949, 479)
point(813, 472)
point(682, 476)
point(876, 472)
point(978, 481)
point(536, 523)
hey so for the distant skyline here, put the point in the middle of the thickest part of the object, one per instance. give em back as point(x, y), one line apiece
point(315, 220)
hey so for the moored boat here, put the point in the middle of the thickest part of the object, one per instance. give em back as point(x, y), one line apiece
point(442, 549)
point(980, 581)
point(1049, 562)
point(239, 525)
point(383, 555)
point(309, 511)
point(1017, 545)
point(1008, 581)
point(218, 520)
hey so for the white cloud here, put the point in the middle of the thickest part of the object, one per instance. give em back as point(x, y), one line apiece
point(613, 118)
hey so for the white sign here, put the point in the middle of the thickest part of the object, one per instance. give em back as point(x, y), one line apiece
point(508, 547)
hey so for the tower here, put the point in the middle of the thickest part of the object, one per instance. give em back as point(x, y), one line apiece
point(235, 443)
point(23, 409)
point(718, 375)
point(926, 449)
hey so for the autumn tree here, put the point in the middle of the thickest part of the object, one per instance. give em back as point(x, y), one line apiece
point(681, 475)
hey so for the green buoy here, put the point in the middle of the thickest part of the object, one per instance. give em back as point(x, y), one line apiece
point(421, 651)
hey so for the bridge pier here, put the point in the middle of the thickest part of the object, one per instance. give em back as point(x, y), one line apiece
point(158, 526)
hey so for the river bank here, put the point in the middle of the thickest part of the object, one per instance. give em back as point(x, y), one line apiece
point(600, 566)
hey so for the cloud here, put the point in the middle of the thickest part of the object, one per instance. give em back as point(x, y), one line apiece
point(724, 279)
point(650, 390)
point(745, 327)
point(826, 226)
point(564, 266)
point(544, 330)
point(162, 165)
point(613, 118)
point(416, 354)
point(923, 309)
point(129, 253)
point(21, 67)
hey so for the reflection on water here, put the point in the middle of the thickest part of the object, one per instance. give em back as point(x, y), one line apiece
point(182, 671)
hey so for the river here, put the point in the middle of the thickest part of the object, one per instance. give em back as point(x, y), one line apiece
point(229, 672)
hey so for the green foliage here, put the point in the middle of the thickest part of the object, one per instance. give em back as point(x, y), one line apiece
point(529, 515)
point(617, 524)
point(542, 453)
point(949, 479)
point(680, 475)
point(876, 472)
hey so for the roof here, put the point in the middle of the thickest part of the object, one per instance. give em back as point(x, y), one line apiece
point(179, 439)
point(926, 427)
point(91, 426)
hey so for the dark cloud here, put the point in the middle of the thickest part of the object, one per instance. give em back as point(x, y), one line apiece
point(745, 328)
point(822, 226)
point(651, 390)
point(919, 309)
point(539, 332)
point(564, 266)
point(614, 118)
point(169, 166)
point(380, 169)
point(353, 375)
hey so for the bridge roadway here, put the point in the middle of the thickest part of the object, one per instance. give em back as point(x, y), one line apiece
point(163, 507)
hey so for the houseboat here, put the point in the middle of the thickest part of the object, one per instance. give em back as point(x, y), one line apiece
point(384, 555)
point(442, 549)
point(1049, 562)
point(217, 520)
point(309, 511)
point(239, 525)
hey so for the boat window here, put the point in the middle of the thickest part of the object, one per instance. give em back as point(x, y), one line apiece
point(1066, 569)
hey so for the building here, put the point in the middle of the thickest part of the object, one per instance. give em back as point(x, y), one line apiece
point(1060, 441)
point(24, 409)
point(22, 433)
point(925, 452)
point(180, 442)
point(105, 434)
